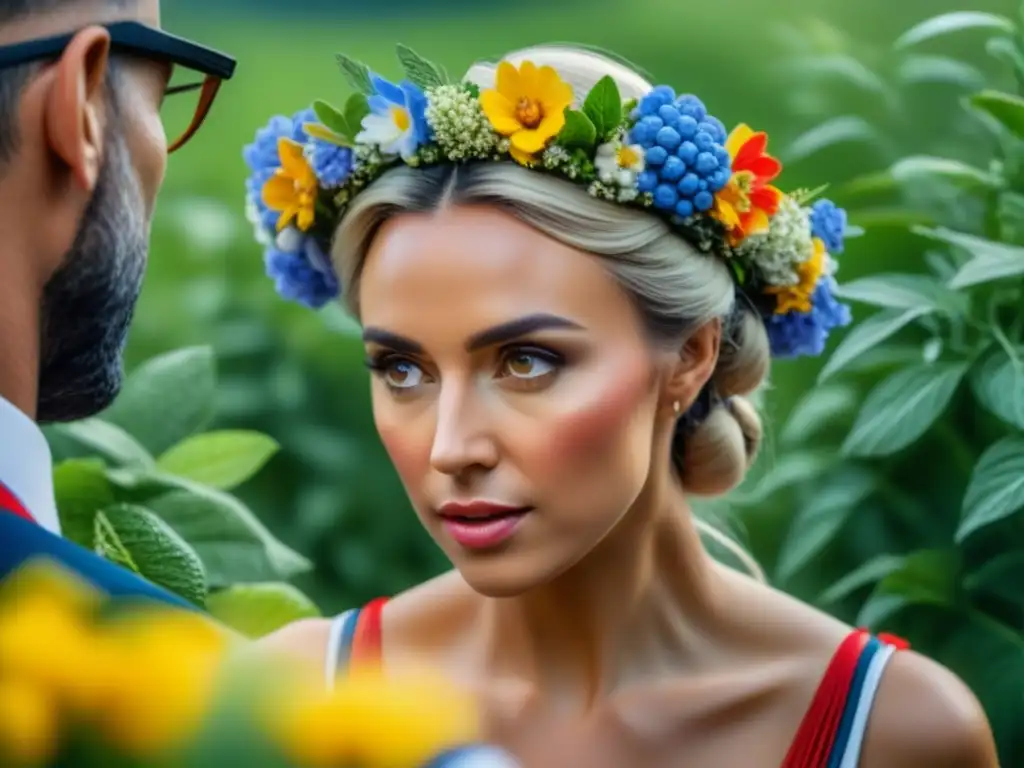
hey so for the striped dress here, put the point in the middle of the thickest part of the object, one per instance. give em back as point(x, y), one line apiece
point(830, 736)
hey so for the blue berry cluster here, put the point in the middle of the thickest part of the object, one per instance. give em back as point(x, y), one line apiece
point(828, 222)
point(331, 164)
point(684, 150)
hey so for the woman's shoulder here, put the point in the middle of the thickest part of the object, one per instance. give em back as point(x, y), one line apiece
point(926, 717)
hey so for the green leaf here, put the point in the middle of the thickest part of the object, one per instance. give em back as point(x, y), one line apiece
point(1000, 576)
point(868, 334)
point(837, 130)
point(791, 469)
point(420, 71)
point(821, 518)
point(223, 459)
point(894, 217)
point(991, 260)
point(357, 75)
point(920, 169)
point(903, 291)
point(153, 549)
point(603, 106)
point(1005, 50)
point(256, 610)
point(109, 442)
point(943, 70)
point(167, 398)
point(866, 573)
point(81, 489)
point(1006, 108)
point(332, 118)
point(948, 23)
point(578, 131)
point(902, 408)
point(356, 108)
point(996, 490)
point(998, 384)
point(109, 545)
point(231, 541)
point(927, 577)
point(837, 66)
point(816, 409)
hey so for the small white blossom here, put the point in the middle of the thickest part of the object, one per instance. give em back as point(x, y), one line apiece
point(289, 240)
point(787, 243)
point(619, 163)
point(461, 129)
point(252, 215)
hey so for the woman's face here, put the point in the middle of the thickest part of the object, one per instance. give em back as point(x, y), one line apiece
point(513, 390)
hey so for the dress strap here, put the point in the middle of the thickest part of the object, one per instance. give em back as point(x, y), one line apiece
point(354, 639)
point(367, 644)
point(339, 644)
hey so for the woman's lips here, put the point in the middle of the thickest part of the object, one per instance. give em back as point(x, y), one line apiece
point(481, 525)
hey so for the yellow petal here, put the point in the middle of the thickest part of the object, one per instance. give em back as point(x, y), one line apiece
point(552, 123)
point(286, 217)
point(553, 92)
point(500, 112)
point(726, 213)
point(528, 142)
point(759, 222)
point(739, 136)
point(507, 81)
point(291, 156)
point(305, 218)
point(528, 80)
point(523, 158)
point(318, 131)
point(279, 191)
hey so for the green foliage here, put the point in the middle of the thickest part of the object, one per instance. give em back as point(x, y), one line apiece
point(579, 131)
point(143, 487)
point(603, 106)
point(909, 506)
point(419, 71)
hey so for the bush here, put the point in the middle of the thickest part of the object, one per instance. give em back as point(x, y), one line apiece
point(908, 501)
point(144, 487)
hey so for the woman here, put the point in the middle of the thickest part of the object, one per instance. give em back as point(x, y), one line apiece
point(567, 282)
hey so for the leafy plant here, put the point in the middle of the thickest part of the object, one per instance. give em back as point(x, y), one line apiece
point(143, 486)
point(910, 501)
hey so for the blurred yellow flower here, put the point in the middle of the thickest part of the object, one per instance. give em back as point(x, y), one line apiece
point(797, 298)
point(528, 106)
point(28, 724)
point(293, 188)
point(376, 722)
point(164, 685)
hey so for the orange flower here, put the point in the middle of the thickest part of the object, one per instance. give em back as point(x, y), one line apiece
point(790, 298)
point(748, 200)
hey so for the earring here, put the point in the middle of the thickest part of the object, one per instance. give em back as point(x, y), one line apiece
point(675, 407)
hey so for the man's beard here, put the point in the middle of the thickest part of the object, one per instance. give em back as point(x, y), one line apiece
point(89, 302)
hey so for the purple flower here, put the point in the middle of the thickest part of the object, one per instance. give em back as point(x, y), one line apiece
point(803, 334)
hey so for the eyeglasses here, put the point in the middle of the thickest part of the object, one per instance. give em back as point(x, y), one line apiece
point(195, 81)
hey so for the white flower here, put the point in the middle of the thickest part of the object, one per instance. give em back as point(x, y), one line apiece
point(787, 244)
point(289, 240)
point(252, 215)
point(619, 163)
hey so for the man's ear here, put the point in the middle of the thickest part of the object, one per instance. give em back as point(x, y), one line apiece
point(75, 107)
point(693, 366)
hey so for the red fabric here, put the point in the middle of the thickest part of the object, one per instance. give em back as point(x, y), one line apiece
point(10, 503)
point(368, 640)
point(814, 738)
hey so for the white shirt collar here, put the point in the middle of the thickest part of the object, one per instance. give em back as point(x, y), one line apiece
point(26, 465)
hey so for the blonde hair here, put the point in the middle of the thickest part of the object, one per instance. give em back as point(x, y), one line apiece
point(674, 288)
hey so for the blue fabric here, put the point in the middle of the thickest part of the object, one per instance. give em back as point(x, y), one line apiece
point(839, 746)
point(22, 541)
point(348, 634)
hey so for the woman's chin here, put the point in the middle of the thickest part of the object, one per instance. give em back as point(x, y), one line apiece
point(505, 574)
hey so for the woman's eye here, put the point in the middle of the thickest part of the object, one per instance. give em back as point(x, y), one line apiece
point(402, 374)
point(526, 365)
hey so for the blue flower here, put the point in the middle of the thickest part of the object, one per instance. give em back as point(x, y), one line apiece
point(828, 222)
point(799, 334)
point(263, 160)
point(397, 123)
point(331, 163)
point(301, 270)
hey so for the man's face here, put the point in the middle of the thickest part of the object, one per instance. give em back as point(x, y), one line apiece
point(89, 301)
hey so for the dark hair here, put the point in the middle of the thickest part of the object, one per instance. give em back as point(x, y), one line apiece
point(14, 79)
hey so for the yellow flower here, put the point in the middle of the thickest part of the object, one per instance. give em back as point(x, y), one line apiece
point(28, 724)
point(376, 722)
point(292, 189)
point(164, 685)
point(528, 106)
point(798, 297)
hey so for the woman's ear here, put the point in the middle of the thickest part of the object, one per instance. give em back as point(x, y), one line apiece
point(75, 105)
point(693, 366)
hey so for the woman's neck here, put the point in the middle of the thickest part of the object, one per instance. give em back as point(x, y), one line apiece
point(639, 603)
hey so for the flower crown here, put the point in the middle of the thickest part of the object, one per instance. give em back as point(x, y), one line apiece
point(664, 153)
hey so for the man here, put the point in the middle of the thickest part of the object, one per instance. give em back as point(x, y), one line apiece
point(82, 155)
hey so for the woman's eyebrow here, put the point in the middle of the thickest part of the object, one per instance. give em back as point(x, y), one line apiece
point(497, 334)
